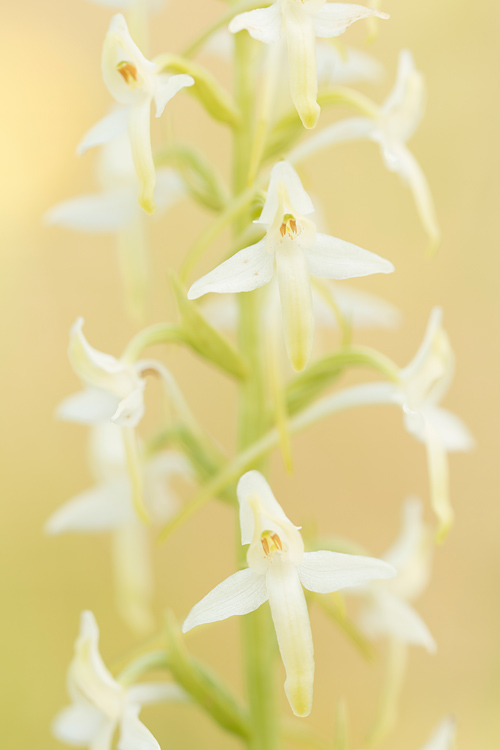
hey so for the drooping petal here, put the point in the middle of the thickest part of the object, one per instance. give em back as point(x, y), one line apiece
point(302, 64)
point(411, 172)
point(405, 105)
point(133, 734)
point(293, 630)
point(332, 258)
point(245, 271)
point(133, 573)
point(241, 593)
point(437, 460)
point(325, 572)
point(444, 736)
point(88, 407)
point(108, 211)
point(283, 175)
point(334, 18)
point(351, 129)
point(263, 24)
point(296, 302)
point(78, 724)
point(168, 87)
point(101, 508)
point(139, 124)
point(104, 131)
point(453, 433)
point(389, 616)
point(361, 309)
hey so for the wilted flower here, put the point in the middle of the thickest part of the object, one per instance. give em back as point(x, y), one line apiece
point(278, 569)
point(134, 82)
point(294, 251)
point(301, 21)
point(392, 126)
point(101, 705)
point(386, 609)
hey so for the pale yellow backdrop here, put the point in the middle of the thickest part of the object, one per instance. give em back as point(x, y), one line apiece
point(352, 473)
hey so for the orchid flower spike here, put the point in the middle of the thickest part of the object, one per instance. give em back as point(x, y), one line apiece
point(386, 610)
point(391, 126)
point(101, 705)
point(114, 389)
point(134, 82)
point(294, 250)
point(278, 569)
point(300, 21)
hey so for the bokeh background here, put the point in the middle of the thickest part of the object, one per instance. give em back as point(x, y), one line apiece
point(352, 473)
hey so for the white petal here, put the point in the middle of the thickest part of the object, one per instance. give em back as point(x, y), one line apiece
point(139, 124)
point(108, 211)
point(133, 734)
point(119, 48)
point(283, 174)
point(444, 736)
point(410, 535)
point(410, 170)
point(263, 24)
point(249, 269)
point(161, 498)
point(130, 410)
point(334, 18)
point(88, 407)
point(293, 630)
point(241, 593)
point(302, 64)
point(437, 460)
point(361, 309)
point(425, 350)
point(253, 485)
point(347, 68)
point(168, 87)
point(292, 269)
point(133, 573)
point(147, 693)
point(78, 724)
point(104, 739)
point(405, 105)
point(389, 616)
point(332, 258)
point(101, 508)
point(169, 188)
point(351, 129)
point(105, 130)
point(94, 367)
point(453, 433)
point(326, 571)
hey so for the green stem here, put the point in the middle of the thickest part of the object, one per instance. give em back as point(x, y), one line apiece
point(160, 333)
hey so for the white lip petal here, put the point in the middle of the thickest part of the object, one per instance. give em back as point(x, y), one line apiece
point(105, 130)
point(410, 536)
point(133, 574)
point(293, 630)
point(108, 211)
point(325, 572)
point(241, 593)
point(453, 433)
point(301, 43)
point(390, 616)
point(88, 407)
point(412, 173)
point(133, 734)
point(332, 258)
point(78, 724)
point(253, 485)
point(405, 105)
point(439, 479)
point(296, 302)
point(424, 352)
point(168, 87)
point(334, 18)
point(101, 508)
point(247, 270)
point(263, 24)
point(284, 174)
point(139, 124)
point(444, 736)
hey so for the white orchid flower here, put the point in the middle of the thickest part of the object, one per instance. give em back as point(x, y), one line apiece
point(444, 736)
point(301, 21)
point(114, 210)
point(114, 390)
point(392, 126)
point(386, 610)
point(108, 506)
point(278, 569)
point(101, 705)
point(134, 82)
point(294, 250)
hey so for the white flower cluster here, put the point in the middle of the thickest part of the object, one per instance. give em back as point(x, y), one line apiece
point(291, 259)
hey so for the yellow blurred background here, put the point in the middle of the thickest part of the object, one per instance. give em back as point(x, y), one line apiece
point(351, 473)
